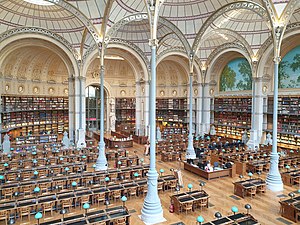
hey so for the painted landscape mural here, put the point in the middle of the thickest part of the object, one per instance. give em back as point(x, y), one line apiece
point(289, 69)
point(236, 76)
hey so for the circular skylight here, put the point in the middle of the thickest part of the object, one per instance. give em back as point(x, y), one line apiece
point(39, 2)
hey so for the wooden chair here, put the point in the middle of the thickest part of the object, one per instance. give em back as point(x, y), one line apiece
point(27, 190)
point(116, 194)
point(99, 198)
point(121, 221)
point(48, 206)
point(144, 190)
point(27, 175)
point(201, 203)
point(251, 191)
point(160, 186)
point(259, 169)
point(172, 184)
point(4, 216)
point(44, 187)
point(24, 211)
point(11, 176)
point(261, 189)
point(131, 192)
point(187, 207)
point(8, 192)
point(84, 199)
point(67, 203)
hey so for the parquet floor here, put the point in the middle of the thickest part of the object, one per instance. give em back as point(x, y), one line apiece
point(265, 207)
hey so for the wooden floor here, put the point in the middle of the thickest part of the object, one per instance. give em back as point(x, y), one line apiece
point(265, 207)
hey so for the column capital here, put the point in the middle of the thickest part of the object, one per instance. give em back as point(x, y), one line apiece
point(71, 79)
point(102, 68)
point(153, 42)
point(81, 78)
point(277, 59)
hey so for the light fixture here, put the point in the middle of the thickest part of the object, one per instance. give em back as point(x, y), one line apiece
point(39, 2)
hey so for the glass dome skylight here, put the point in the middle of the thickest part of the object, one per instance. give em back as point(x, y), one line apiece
point(39, 2)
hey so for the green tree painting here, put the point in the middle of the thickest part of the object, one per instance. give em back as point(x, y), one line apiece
point(245, 70)
point(236, 76)
point(227, 79)
point(289, 69)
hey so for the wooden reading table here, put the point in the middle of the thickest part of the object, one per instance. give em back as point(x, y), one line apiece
point(290, 209)
point(242, 188)
point(239, 218)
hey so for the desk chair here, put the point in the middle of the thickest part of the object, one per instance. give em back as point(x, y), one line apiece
point(201, 203)
point(8, 192)
point(4, 216)
point(131, 191)
point(27, 190)
point(121, 221)
point(187, 207)
point(261, 189)
point(144, 190)
point(251, 191)
point(160, 186)
point(67, 203)
point(48, 206)
point(24, 211)
point(99, 198)
point(84, 199)
point(172, 184)
point(116, 194)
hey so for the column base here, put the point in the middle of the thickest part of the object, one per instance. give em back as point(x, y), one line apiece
point(81, 139)
point(101, 163)
point(190, 151)
point(274, 181)
point(152, 219)
point(253, 143)
point(152, 212)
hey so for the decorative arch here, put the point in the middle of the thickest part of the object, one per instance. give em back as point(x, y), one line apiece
point(215, 56)
point(144, 16)
point(252, 6)
point(122, 44)
point(232, 33)
point(23, 33)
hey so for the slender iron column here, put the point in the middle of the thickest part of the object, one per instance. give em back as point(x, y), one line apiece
point(101, 163)
point(190, 152)
point(152, 211)
point(274, 181)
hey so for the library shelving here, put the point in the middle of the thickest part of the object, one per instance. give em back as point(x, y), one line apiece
point(288, 127)
point(35, 139)
point(125, 114)
point(232, 116)
point(22, 115)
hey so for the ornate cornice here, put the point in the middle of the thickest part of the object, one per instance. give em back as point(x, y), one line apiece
point(37, 30)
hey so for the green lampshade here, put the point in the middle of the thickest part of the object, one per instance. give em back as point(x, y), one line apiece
point(265, 155)
point(5, 164)
point(86, 205)
point(161, 170)
point(34, 161)
point(190, 186)
point(9, 155)
point(38, 216)
point(94, 165)
point(36, 189)
point(119, 162)
point(84, 156)
point(136, 174)
point(67, 169)
point(223, 150)
point(33, 153)
point(106, 179)
point(234, 209)
point(1, 177)
point(124, 199)
point(200, 219)
point(74, 184)
point(250, 157)
point(61, 158)
point(250, 174)
point(142, 160)
point(298, 190)
point(287, 167)
point(35, 172)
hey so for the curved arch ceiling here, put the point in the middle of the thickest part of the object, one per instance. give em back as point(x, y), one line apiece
point(188, 15)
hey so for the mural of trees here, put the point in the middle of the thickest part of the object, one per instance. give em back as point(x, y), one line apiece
point(227, 79)
point(289, 69)
point(236, 76)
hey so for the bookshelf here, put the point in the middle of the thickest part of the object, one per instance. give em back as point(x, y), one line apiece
point(35, 139)
point(288, 121)
point(125, 115)
point(232, 116)
point(31, 114)
point(172, 115)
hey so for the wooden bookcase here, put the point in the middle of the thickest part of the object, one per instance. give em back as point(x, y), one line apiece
point(232, 116)
point(172, 115)
point(288, 121)
point(35, 115)
point(125, 114)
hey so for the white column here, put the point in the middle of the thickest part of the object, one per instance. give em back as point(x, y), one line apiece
point(138, 108)
point(71, 109)
point(81, 116)
point(205, 109)
point(198, 111)
point(146, 109)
